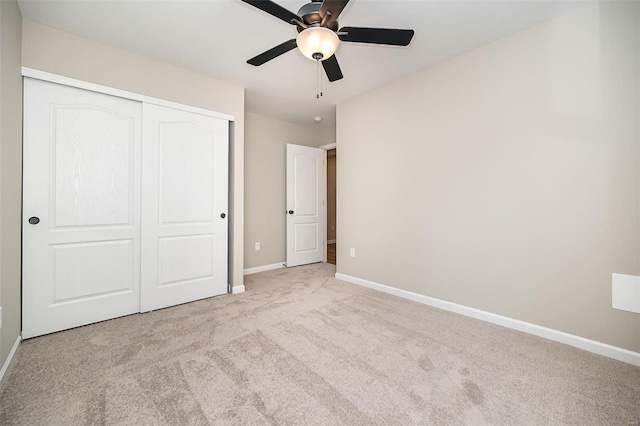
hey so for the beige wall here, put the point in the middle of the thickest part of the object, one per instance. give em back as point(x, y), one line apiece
point(10, 173)
point(510, 176)
point(331, 195)
point(58, 52)
point(265, 141)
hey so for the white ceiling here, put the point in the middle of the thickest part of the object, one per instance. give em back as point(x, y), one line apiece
point(216, 37)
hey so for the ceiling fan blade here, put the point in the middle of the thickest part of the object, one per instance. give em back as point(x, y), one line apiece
point(389, 36)
point(275, 9)
point(334, 7)
point(273, 53)
point(332, 68)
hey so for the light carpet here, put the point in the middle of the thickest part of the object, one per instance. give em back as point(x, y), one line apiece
point(302, 348)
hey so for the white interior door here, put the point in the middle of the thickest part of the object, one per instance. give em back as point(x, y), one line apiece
point(184, 205)
point(306, 210)
point(81, 209)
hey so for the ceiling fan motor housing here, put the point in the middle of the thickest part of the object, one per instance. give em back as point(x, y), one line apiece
point(310, 14)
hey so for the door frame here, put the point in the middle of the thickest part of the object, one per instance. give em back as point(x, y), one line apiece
point(328, 147)
point(80, 84)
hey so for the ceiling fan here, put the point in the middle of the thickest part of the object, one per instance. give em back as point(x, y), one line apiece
point(318, 34)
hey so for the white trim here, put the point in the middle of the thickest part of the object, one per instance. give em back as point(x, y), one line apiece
point(589, 345)
point(7, 362)
point(80, 84)
point(237, 289)
point(331, 242)
point(328, 146)
point(263, 268)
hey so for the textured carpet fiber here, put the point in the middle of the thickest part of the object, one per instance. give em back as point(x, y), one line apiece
point(302, 348)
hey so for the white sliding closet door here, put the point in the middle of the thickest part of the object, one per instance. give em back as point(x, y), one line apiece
point(184, 205)
point(81, 207)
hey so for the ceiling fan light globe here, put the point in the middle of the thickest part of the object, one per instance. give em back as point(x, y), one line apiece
point(317, 40)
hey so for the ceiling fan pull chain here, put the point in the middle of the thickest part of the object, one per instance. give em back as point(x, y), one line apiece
point(320, 78)
point(318, 89)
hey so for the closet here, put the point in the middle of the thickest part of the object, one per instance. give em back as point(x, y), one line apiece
point(124, 205)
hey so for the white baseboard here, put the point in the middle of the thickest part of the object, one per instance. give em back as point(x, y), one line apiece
point(264, 268)
point(331, 241)
point(589, 345)
point(7, 362)
point(237, 289)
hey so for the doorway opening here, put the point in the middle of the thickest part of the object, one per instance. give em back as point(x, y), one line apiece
point(331, 206)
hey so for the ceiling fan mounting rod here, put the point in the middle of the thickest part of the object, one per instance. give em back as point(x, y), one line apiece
point(311, 14)
point(325, 18)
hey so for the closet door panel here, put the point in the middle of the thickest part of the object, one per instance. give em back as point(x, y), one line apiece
point(81, 207)
point(186, 172)
point(185, 192)
point(93, 150)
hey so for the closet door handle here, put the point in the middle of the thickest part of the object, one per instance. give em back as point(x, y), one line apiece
point(290, 211)
point(222, 215)
point(34, 220)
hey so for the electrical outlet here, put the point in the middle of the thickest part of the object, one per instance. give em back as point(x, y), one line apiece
point(352, 252)
point(257, 246)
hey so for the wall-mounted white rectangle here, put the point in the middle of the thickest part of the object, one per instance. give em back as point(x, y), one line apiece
point(306, 237)
point(186, 258)
point(625, 291)
point(89, 270)
point(186, 172)
point(93, 165)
